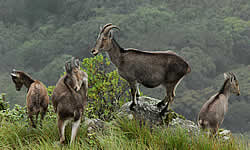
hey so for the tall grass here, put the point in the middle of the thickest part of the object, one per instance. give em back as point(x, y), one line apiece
point(118, 134)
point(127, 134)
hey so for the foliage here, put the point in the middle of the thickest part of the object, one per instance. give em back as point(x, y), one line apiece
point(213, 36)
point(134, 134)
point(18, 113)
point(118, 134)
point(3, 104)
point(107, 90)
point(38, 36)
point(197, 80)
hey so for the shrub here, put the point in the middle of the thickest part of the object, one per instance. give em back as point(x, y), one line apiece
point(3, 104)
point(107, 90)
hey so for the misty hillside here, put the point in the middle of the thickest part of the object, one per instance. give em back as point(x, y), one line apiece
point(213, 36)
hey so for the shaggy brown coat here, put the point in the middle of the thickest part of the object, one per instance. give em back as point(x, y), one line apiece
point(37, 98)
point(70, 98)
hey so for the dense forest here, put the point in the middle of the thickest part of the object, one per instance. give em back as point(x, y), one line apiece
point(213, 36)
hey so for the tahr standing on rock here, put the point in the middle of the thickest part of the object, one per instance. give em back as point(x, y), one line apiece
point(213, 111)
point(152, 69)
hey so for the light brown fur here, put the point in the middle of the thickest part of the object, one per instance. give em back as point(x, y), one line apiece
point(212, 113)
point(69, 98)
point(37, 98)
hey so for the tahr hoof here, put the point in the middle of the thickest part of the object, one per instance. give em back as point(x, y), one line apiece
point(131, 107)
point(159, 105)
point(162, 113)
point(62, 142)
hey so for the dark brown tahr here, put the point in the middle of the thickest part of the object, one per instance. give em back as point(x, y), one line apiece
point(70, 97)
point(37, 98)
point(212, 112)
point(152, 69)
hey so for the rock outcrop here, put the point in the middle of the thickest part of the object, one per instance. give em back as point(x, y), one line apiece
point(147, 110)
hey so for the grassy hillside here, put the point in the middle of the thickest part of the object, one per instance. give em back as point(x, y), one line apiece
point(105, 89)
point(213, 36)
point(118, 134)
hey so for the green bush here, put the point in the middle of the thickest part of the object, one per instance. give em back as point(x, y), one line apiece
point(107, 90)
point(8, 114)
point(3, 104)
point(18, 113)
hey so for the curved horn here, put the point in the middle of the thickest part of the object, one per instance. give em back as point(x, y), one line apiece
point(105, 26)
point(106, 31)
point(14, 73)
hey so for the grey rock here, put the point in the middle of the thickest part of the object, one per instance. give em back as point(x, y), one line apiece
point(188, 125)
point(225, 134)
point(94, 124)
point(147, 110)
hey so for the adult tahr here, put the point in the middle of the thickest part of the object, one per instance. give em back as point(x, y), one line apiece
point(152, 69)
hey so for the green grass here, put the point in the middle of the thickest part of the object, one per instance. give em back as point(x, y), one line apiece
point(118, 134)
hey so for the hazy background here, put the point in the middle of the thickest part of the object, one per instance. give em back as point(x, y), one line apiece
point(38, 36)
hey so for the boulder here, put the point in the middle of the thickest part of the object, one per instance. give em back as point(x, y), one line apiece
point(93, 125)
point(146, 109)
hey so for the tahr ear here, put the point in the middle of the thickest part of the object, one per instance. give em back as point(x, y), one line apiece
point(111, 34)
point(77, 63)
point(100, 28)
point(226, 76)
point(68, 67)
